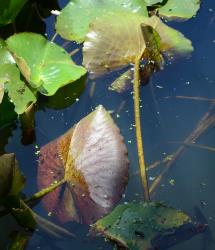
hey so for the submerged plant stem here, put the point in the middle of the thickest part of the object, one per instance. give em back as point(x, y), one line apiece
point(208, 120)
point(138, 131)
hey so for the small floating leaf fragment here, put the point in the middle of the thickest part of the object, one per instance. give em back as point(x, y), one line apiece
point(203, 203)
point(172, 182)
point(123, 82)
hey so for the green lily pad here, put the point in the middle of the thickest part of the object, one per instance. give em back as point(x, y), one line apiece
point(182, 10)
point(5, 55)
point(65, 96)
point(138, 226)
point(46, 66)
point(11, 180)
point(73, 22)
point(9, 10)
point(109, 45)
point(18, 91)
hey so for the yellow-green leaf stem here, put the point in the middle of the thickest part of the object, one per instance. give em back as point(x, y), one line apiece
point(45, 191)
point(142, 166)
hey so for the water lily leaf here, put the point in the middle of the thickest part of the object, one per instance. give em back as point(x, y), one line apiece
point(110, 45)
point(5, 55)
point(18, 91)
point(123, 82)
point(92, 157)
point(67, 95)
point(181, 10)
point(9, 10)
point(11, 180)
point(173, 42)
point(47, 67)
point(138, 226)
point(73, 22)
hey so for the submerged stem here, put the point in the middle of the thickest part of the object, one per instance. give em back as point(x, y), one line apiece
point(138, 130)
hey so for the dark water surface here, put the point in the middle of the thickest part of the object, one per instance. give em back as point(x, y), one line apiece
point(190, 183)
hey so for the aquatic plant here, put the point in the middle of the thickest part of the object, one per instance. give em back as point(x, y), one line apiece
point(82, 174)
point(92, 159)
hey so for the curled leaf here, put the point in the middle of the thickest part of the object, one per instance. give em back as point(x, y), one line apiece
point(21, 212)
point(153, 47)
point(92, 157)
point(11, 180)
point(28, 219)
point(110, 45)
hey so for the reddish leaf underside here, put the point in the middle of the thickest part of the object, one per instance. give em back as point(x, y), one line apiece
point(93, 158)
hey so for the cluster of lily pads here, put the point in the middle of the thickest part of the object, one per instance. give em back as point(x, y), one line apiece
point(31, 64)
point(115, 34)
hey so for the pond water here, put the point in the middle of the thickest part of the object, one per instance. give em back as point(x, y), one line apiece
point(166, 122)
